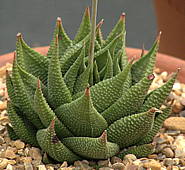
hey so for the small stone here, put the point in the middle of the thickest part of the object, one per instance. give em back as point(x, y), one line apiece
point(130, 158)
point(10, 154)
point(180, 147)
point(168, 161)
point(137, 162)
point(176, 161)
point(160, 140)
point(9, 167)
point(175, 123)
point(64, 165)
point(182, 161)
point(159, 148)
point(2, 129)
point(27, 160)
point(168, 152)
point(3, 105)
point(104, 163)
point(28, 166)
point(106, 168)
point(173, 132)
point(19, 167)
point(19, 144)
point(173, 168)
point(3, 163)
point(118, 166)
point(161, 156)
point(182, 113)
point(115, 159)
point(11, 162)
point(35, 153)
point(131, 167)
point(154, 165)
point(41, 167)
point(153, 156)
point(1, 140)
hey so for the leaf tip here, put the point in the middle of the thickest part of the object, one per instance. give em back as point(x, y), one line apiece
point(151, 77)
point(122, 17)
point(87, 91)
point(103, 137)
point(87, 11)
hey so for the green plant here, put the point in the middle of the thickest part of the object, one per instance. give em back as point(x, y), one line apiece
point(85, 99)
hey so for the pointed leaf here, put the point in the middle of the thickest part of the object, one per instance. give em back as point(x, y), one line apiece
point(139, 151)
point(46, 114)
point(109, 67)
point(92, 148)
point(64, 41)
point(81, 118)
point(58, 92)
point(35, 63)
point(25, 133)
point(145, 65)
point(71, 75)
point(50, 144)
point(129, 103)
point(85, 27)
point(129, 130)
point(157, 97)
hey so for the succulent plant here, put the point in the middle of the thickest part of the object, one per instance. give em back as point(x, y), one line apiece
point(85, 99)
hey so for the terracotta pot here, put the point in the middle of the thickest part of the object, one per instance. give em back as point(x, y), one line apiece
point(164, 62)
point(171, 21)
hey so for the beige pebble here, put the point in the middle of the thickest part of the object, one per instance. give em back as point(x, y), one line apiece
point(64, 164)
point(103, 163)
point(10, 167)
point(28, 166)
point(118, 166)
point(49, 167)
point(1, 140)
point(11, 162)
point(3, 105)
point(130, 158)
point(153, 156)
point(35, 153)
point(19, 144)
point(27, 159)
point(41, 167)
point(154, 165)
point(3, 163)
point(168, 162)
point(168, 152)
point(179, 143)
point(115, 159)
point(10, 154)
point(175, 123)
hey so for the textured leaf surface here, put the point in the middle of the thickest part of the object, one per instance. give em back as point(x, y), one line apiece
point(93, 148)
point(131, 128)
point(129, 102)
point(58, 93)
point(49, 143)
point(138, 151)
point(81, 118)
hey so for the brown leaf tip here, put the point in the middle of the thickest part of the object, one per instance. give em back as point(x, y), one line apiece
point(87, 11)
point(159, 36)
point(153, 110)
point(59, 21)
point(52, 124)
point(38, 84)
point(87, 91)
point(122, 17)
point(19, 35)
point(151, 77)
point(100, 24)
point(103, 137)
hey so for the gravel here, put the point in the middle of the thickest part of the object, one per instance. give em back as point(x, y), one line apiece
point(170, 141)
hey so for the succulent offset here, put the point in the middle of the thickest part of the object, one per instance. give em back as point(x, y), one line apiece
point(71, 111)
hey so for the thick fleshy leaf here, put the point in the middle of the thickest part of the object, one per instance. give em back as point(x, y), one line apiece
point(158, 122)
point(119, 28)
point(64, 41)
point(19, 51)
point(129, 103)
point(58, 93)
point(131, 128)
point(99, 35)
point(34, 62)
point(96, 75)
point(93, 148)
point(11, 133)
point(71, 55)
point(157, 97)
point(71, 75)
point(81, 118)
point(109, 67)
point(106, 92)
point(138, 151)
point(22, 129)
point(23, 100)
point(82, 81)
point(145, 65)
point(50, 144)
point(46, 114)
point(85, 27)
